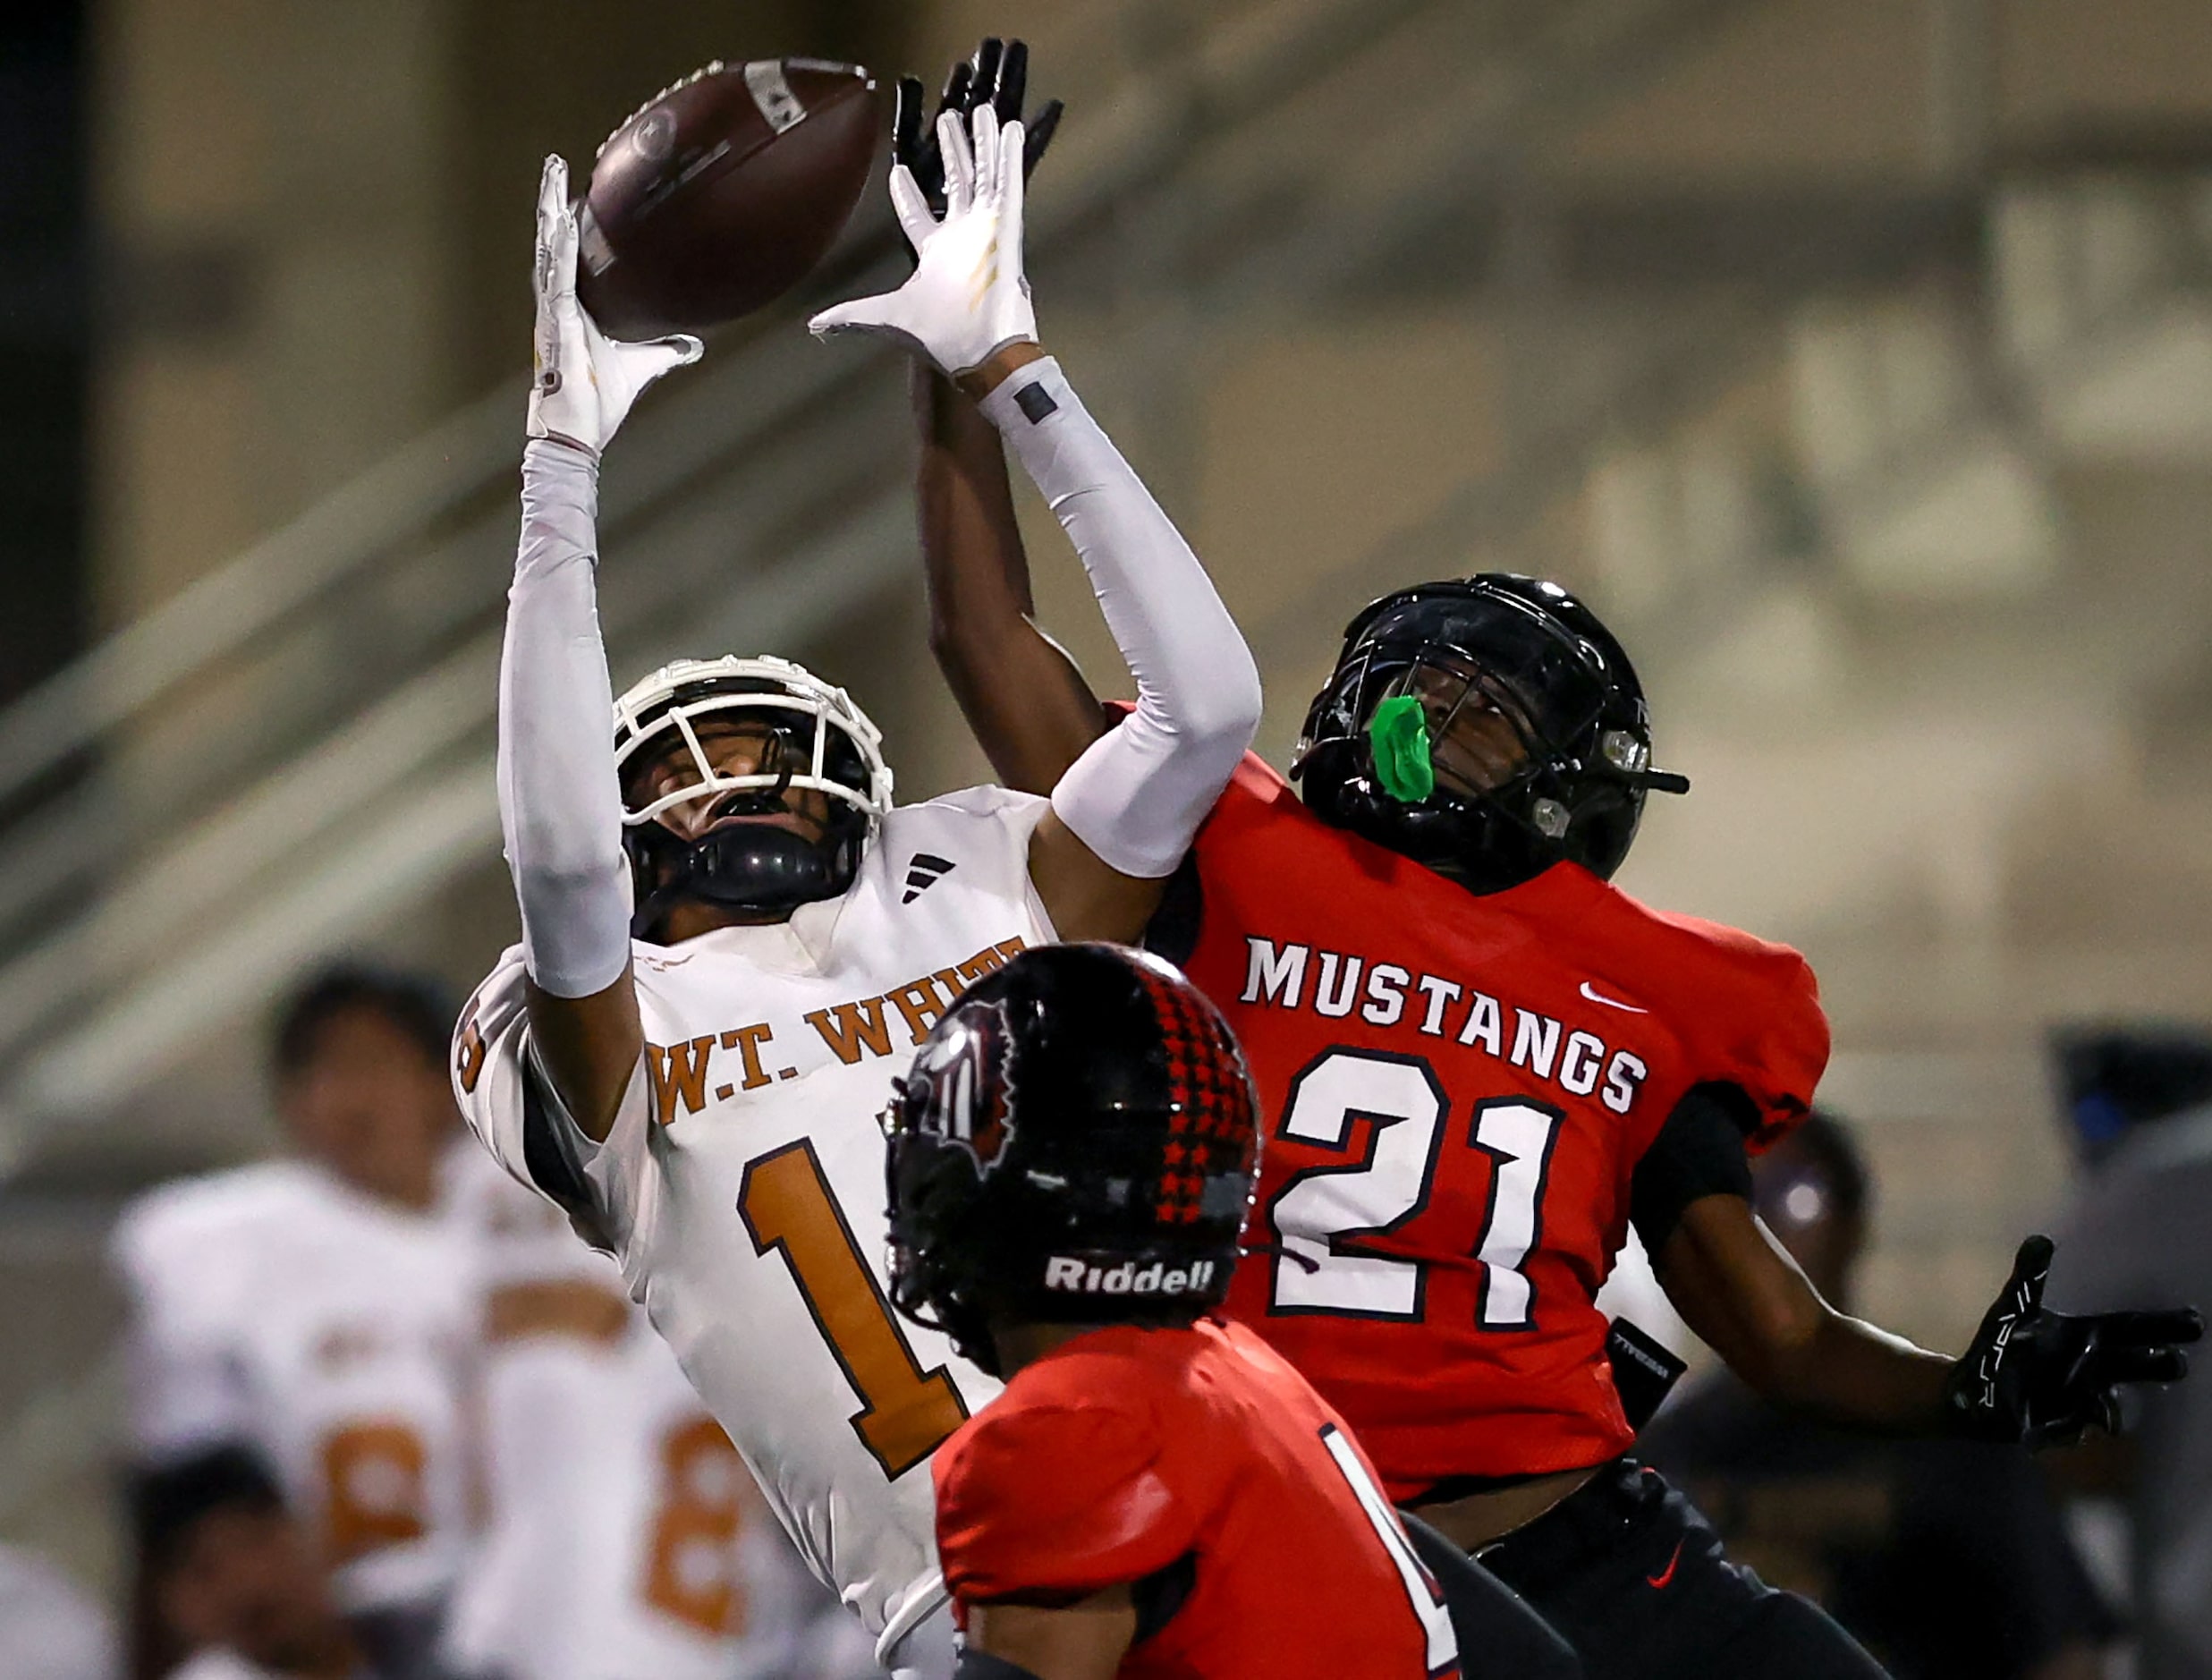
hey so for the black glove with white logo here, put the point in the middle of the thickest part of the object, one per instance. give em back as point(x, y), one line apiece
point(2034, 1377)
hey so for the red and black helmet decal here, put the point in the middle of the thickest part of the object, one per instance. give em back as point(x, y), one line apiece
point(1213, 1122)
point(965, 1074)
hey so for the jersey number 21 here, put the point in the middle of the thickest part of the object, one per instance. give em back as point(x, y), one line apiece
point(1322, 1207)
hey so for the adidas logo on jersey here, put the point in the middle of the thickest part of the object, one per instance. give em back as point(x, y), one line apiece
point(922, 874)
point(1064, 1271)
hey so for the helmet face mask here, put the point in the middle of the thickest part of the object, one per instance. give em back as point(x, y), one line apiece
point(814, 740)
point(1076, 1143)
point(1534, 723)
point(804, 753)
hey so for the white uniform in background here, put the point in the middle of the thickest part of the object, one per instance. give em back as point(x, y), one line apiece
point(220, 1664)
point(49, 1629)
point(625, 1539)
point(276, 1305)
point(742, 1183)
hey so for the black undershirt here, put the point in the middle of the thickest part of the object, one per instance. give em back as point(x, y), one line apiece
point(979, 1664)
point(1699, 1152)
point(546, 1162)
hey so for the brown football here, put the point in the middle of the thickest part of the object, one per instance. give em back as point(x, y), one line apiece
point(720, 194)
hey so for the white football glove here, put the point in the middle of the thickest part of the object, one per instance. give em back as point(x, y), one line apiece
point(585, 380)
point(967, 297)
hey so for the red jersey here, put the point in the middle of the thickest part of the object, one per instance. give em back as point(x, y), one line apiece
point(1457, 1090)
point(1131, 1451)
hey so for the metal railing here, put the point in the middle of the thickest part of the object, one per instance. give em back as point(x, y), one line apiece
point(221, 837)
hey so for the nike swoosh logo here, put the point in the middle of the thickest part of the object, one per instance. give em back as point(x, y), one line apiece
point(1666, 1574)
point(1610, 1003)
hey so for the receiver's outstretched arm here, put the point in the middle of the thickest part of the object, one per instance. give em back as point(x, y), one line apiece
point(560, 805)
point(1125, 810)
point(1029, 704)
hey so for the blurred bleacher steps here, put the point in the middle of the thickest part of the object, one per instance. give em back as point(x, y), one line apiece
point(1963, 728)
point(1890, 470)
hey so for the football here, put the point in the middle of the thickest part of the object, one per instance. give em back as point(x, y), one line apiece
point(720, 193)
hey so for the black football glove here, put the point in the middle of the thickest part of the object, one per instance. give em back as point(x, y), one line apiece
point(998, 76)
point(2035, 1378)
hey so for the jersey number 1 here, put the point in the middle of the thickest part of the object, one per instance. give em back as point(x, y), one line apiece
point(1322, 1207)
point(905, 1412)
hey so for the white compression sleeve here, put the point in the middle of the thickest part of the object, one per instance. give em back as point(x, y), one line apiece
point(560, 805)
point(1137, 797)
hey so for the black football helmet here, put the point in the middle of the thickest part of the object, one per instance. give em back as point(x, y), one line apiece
point(1076, 1143)
point(1534, 656)
point(822, 742)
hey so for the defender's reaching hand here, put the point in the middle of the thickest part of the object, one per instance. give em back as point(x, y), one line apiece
point(997, 75)
point(2035, 1377)
point(967, 298)
point(585, 381)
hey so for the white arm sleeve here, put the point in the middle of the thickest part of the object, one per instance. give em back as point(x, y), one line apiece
point(1137, 797)
point(560, 805)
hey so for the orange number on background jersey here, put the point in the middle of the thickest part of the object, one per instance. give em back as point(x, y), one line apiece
point(372, 1481)
point(691, 1572)
point(904, 1411)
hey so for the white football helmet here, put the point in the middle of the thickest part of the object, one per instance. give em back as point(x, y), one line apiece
point(830, 746)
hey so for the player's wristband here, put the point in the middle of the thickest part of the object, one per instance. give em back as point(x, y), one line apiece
point(981, 1664)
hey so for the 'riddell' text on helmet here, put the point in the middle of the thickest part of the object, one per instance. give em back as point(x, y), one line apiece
point(1080, 1275)
point(815, 740)
point(1531, 663)
point(1075, 1144)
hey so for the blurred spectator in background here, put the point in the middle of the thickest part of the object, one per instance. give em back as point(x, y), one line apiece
point(49, 1629)
point(626, 1540)
point(318, 1309)
point(2140, 1105)
point(237, 1580)
point(503, 1464)
point(1945, 1558)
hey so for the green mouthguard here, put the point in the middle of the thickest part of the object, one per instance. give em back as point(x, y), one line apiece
point(1399, 732)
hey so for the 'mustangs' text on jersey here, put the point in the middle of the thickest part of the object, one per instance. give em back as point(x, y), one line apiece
point(1458, 1089)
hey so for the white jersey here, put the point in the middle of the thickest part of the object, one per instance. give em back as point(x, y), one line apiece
point(218, 1664)
point(49, 1630)
point(623, 1540)
point(275, 1304)
point(741, 1185)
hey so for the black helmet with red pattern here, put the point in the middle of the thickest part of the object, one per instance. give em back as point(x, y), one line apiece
point(1076, 1143)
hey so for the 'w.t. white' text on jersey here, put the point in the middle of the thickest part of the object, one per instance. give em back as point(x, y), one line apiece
point(741, 1185)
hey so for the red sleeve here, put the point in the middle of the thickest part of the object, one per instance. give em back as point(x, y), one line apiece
point(1784, 1068)
point(1760, 1027)
point(1056, 1499)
